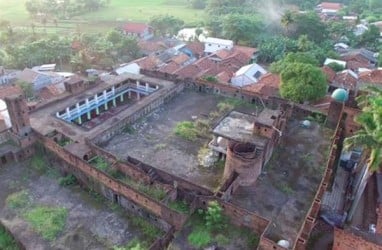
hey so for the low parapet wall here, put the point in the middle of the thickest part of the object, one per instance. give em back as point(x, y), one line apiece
point(117, 187)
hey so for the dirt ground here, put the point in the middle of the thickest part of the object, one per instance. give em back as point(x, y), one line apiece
point(154, 142)
point(286, 188)
point(90, 224)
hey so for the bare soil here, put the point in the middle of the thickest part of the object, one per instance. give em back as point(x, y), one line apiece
point(91, 224)
point(286, 188)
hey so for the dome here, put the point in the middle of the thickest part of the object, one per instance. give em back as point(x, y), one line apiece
point(340, 95)
point(283, 243)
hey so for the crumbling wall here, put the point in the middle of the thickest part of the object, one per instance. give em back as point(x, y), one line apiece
point(348, 240)
point(120, 189)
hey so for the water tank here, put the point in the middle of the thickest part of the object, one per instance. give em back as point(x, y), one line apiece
point(340, 95)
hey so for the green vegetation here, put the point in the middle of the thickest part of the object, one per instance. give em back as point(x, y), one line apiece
point(100, 163)
point(18, 200)
point(38, 162)
point(153, 191)
point(180, 206)
point(186, 130)
point(128, 129)
point(209, 78)
point(134, 244)
point(211, 226)
point(68, 180)
point(150, 231)
point(7, 242)
point(47, 221)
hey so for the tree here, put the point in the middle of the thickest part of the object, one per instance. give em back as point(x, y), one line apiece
point(370, 134)
point(335, 66)
point(166, 25)
point(239, 27)
point(369, 39)
point(310, 24)
point(294, 57)
point(302, 82)
point(287, 19)
point(274, 48)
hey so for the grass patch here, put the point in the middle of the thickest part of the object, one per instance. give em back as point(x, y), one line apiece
point(100, 163)
point(186, 130)
point(7, 242)
point(180, 206)
point(153, 191)
point(199, 237)
point(38, 162)
point(18, 200)
point(68, 180)
point(150, 231)
point(47, 221)
point(134, 244)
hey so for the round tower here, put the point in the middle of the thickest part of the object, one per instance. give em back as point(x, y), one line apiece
point(245, 160)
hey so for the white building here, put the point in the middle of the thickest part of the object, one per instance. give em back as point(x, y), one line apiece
point(247, 75)
point(329, 61)
point(132, 68)
point(211, 45)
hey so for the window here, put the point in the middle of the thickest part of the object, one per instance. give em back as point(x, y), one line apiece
point(257, 75)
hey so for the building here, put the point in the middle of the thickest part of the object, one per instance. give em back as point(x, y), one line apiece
point(212, 45)
point(139, 30)
point(329, 8)
point(248, 74)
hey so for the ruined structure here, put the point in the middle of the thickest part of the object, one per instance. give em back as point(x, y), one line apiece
point(74, 128)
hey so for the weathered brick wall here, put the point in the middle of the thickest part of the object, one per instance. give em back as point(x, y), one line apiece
point(238, 216)
point(346, 240)
point(172, 217)
point(379, 219)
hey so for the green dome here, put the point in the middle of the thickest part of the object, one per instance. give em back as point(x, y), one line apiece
point(340, 95)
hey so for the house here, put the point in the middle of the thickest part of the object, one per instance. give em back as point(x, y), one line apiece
point(212, 45)
point(329, 8)
point(341, 47)
point(268, 85)
point(39, 79)
point(346, 79)
point(371, 77)
point(339, 62)
point(132, 68)
point(138, 30)
point(360, 58)
point(248, 74)
point(360, 29)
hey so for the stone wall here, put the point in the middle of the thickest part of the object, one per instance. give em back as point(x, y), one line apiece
point(118, 188)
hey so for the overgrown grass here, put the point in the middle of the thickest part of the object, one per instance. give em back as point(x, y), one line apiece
point(134, 244)
point(153, 191)
point(47, 221)
point(38, 162)
point(18, 200)
point(180, 206)
point(7, 242)
point(68, 180)
point(186, 130)
point(100, 163)
point(150, 231)
point(199, 237)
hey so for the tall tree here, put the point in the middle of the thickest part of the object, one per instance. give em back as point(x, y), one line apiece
point(287, 20)
point(302, 82)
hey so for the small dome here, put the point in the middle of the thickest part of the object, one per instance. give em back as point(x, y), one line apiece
point(306, 123)
point(283, 243)
point(340, 95)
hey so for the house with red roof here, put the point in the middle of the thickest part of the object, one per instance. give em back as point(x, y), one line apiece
point(141, 31)
point(329, 8)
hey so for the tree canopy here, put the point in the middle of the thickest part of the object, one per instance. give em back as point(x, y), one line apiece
point(165, 25)
point(302, 82)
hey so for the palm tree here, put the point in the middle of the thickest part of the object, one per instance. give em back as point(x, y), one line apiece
point(369, 137)
point(287, 19)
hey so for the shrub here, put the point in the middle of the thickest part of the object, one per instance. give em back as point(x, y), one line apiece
point(47, 221)
point(199, 237)
point(214, 219)
point(186, 130)
point(18, 200)
point(68, 180)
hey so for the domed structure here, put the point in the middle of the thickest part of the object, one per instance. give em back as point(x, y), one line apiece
point(340, 95)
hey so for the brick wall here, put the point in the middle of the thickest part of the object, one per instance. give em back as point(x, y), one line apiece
point(379, 219)
point(170, 216)
point(348, 240)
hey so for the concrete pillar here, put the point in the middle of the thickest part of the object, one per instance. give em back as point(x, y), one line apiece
point(137, 83)
point(114, 102)
point(147, 87)
point(88, 115)
point(79, 120)
point(68, 112)
point(113, 90)
point(96, 98)
point(121, 98)
point(138, 96)
point(106, 107)
point(129, 94)
point(97, 110)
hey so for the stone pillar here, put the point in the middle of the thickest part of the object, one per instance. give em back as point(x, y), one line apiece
point(79, 120)
point(121, 98)
point(88, 115)
point(114, 102)
point(106, 107)
point(147, 87)
point(97, 110)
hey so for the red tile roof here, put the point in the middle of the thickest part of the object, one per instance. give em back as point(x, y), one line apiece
point(224, 76)
point(135, 27)
point(170, 68)
point(189, 71)
point(329, 72)
point(180, 59)
point(331, 6)
point(49, 92)
point(196, 47)
point(151, 46)
point(10, 90)
point(374, 76)
point(147, 62)
point(346, 79)
point(268, 85)
point(248, 51)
